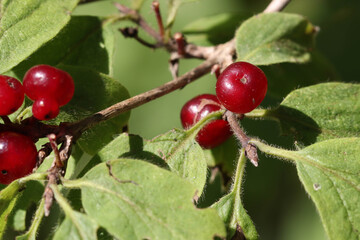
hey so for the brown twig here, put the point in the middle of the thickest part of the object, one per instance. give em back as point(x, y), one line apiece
point(156, 8)
point(250, 150)
point(180, 41)
point(138, 19)
point(133, 33)
point(58, 167)
point(222, 54)
point(276, 6)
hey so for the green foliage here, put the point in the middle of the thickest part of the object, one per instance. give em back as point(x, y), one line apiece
point(275, 38)
point(94, 91)
point(183, 155)
point(329, 171)
point(215, 29)
point(8, 197)
point(133, 199)
point(85, 41)
point(320, 112)
point(230, 207)
point(76, 225)
point(121, 185)
point(27, 24)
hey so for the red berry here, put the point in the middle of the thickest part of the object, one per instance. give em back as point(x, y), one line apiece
point(241, 87)
point(11, 95)
point(17, 156)
point(44, 81)
point(45, 108)
point(215, 132)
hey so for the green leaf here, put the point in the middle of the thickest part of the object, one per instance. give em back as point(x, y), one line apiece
point(94, 92)
point(183, 154)
point(76, 225)
point(8, 198)
point(124, 146)
point(32, 232)
point(215, 29)
point(85, 41)
point(16, 198)
point(274, 38)
point(136, 4)
point(27, 24)
point(173, 8)
point(330, 172)
point(129, 146)
point(231, 210)
point(320, 112)
point(223, 155)
point(285, 77)
point(134, 199)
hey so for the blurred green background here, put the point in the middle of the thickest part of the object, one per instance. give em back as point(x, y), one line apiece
point(272, 194)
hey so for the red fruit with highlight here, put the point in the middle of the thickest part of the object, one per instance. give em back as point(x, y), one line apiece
point(241, 87)
point(44, 81)
point(17, 156)
point(45, 109)
point(11, 95)
point(215, 132)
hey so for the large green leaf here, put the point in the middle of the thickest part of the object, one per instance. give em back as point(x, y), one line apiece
point(285, 77)
point(76, 225)
point(27, 24)
point(175, 149)
point(215, 29)
point(230, 207)
point(274, 38)
point(94, 92)
point(183, 154)
point(85, 41)
point(8, 198)
point(31, 234)
point(320, 112)
point(136, 4)
point(134, 199)
point(123, 146)
point(330, 172)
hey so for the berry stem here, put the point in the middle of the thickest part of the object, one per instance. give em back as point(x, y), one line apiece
point(57, 161)
point(250, 149)
point(156, 8)
point(180, 41)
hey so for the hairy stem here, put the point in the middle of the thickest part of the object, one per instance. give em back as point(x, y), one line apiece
point(250, 149)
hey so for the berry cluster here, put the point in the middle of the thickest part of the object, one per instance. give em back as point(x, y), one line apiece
point(240, 88)
point(49, 88)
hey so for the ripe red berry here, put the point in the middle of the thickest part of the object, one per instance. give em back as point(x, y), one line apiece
point(215, 132)
point(17, 156)
point(45, 108)
point(44, 81)
point(11, 95)
point(241, 87)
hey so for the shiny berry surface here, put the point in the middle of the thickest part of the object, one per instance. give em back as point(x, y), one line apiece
point(11, 95)
point(241, 87)
point(17, 156)
point(215, 132)
point(44, 81)
point(45, 109)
